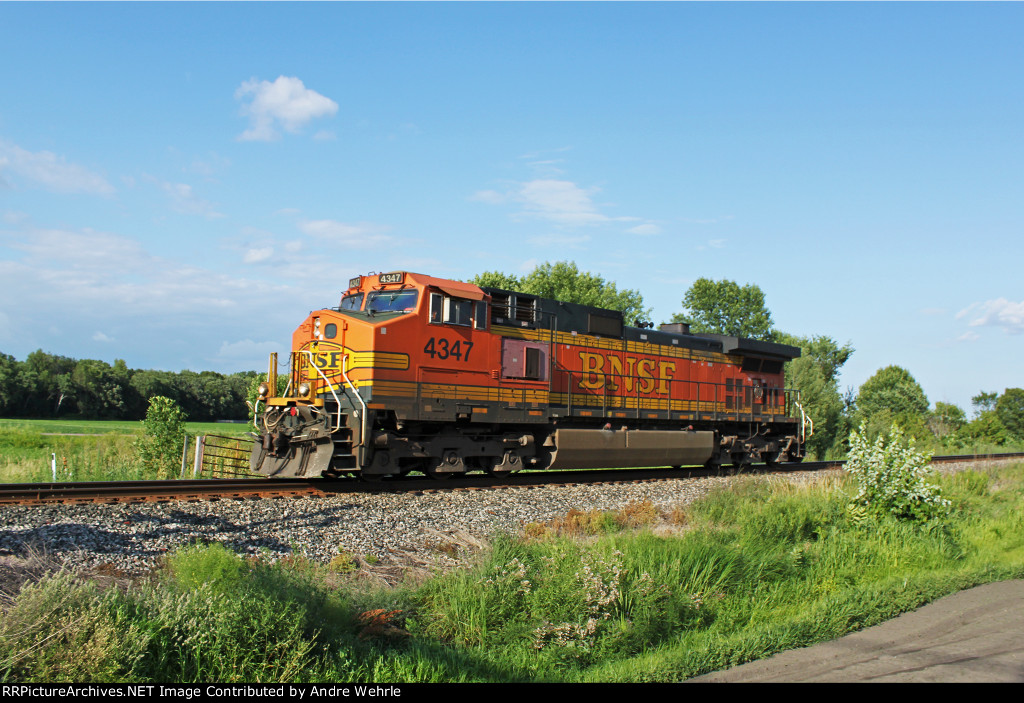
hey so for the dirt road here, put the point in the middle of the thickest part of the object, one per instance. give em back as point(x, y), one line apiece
point(971, 636)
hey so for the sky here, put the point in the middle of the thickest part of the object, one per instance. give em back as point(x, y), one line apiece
point(181, 183)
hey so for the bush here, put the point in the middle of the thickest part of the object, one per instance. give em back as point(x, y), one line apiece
point(160, 447)
point(890, 476)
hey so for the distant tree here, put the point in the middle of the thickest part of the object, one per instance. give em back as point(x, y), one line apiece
point(892, 395)
point(47, 386)
point(983, 402)
point(815, 374)
point(984, 430)
point(946, 419)
point(497, 279)
point(564, 281)
point(100, 389)
point(10, 385)
point(1010, 411)
point(725, 307)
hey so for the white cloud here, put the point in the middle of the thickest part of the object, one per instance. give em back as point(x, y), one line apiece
point(100, 337)
point(712, 244)
point(996, 313)
point(184, 198)
point(286, 103)
point(363, 234)
point(491, 197)
point(254, 256)
point(559, 201)
point(645, 229)
point(559, 241)
point(51, 171)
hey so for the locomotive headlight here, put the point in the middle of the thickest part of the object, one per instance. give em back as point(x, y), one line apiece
point(303, 389)
point(263, 390)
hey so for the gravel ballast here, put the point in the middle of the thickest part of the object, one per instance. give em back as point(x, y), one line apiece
point(432, 529)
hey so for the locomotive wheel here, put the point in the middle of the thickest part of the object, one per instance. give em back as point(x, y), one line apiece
point(430, 469)
point(771, 458)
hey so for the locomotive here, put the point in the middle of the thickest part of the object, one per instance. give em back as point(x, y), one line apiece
point(415, 373)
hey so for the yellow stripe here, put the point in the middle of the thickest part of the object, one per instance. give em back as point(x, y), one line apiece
point(615, 345)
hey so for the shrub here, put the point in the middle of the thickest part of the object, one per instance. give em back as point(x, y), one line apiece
point(160, 446)
point(890, 477)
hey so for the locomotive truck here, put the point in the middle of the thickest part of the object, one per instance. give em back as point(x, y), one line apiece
point(415, 373)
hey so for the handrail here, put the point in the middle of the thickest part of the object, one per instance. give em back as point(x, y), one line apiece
point(330, 387)
point(362, 423)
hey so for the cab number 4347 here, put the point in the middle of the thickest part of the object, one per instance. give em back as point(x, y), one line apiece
point(441, 348)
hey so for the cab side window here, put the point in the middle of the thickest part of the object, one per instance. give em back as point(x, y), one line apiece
point(444, 309)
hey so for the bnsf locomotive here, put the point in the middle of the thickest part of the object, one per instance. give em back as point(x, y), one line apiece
point(414, 373)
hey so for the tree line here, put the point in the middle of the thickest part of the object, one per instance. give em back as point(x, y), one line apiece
point(890, 397)
point(48, 385)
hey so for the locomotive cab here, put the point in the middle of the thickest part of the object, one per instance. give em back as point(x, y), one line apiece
point(323, 424)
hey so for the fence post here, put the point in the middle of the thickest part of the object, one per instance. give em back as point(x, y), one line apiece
point(184, 457)
point(200, 441)
point(53, 465)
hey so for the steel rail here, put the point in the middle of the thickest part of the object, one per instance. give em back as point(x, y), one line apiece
point(252, 488)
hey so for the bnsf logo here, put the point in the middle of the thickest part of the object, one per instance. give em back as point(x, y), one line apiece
point(328, 361)
point(631, 372)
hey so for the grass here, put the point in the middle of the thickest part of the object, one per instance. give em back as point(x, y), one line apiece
point(85, 450)
point(637, 595)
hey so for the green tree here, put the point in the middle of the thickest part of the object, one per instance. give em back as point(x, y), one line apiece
point(100, 389)
point(892, 395)
point(47, 385)
point(985, 429)
point(983, 402)
point(725, 307)
point(815, 373)
point(1010, 411)
point(564, 281)
point(10, 385)
point(163, 437)
point(946, 419)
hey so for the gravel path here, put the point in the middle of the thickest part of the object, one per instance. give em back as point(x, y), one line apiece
point(436, 529)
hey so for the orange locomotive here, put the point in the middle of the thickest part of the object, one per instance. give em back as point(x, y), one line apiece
point(414, 373)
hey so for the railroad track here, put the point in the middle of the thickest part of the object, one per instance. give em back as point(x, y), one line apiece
point(262, 488)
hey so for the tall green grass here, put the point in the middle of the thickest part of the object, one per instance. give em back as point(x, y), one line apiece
point(749, 571)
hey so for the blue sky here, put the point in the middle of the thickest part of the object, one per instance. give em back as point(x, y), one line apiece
point(181, 183)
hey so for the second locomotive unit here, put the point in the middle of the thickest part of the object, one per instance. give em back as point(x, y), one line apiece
point(415, 373)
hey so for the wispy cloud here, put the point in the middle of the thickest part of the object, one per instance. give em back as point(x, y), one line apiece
point(284, 104)
point(184, 198)
point(361, 234)
point(553, 200)
point(1000, 312)
point(646, 229)
point(50, 171)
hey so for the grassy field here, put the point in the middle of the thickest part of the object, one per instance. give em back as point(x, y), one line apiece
point(86, 450)
point(90, 427)
point(638, 595)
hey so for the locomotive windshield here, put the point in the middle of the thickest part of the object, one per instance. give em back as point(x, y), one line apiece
point(392, 301)
point(352, 302)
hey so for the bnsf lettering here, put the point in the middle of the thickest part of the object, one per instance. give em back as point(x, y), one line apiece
point(325, 361)
point(441, 348)
point(653, 376)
